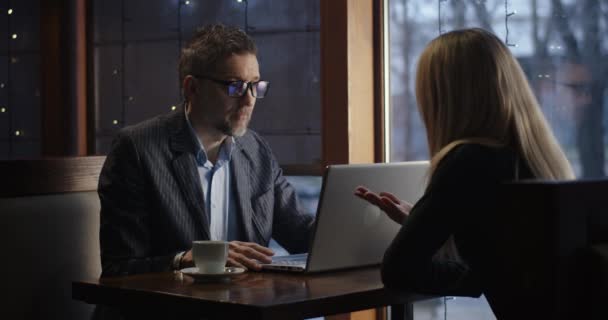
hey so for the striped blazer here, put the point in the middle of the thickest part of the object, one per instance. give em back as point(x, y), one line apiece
point(152, 203)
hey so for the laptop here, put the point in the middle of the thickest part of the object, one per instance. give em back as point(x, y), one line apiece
point(349, 232)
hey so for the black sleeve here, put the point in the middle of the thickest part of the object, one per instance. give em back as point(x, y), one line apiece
point(464, 183)
point(125, 226)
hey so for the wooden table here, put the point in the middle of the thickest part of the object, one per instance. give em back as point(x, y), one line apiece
point(249, 296)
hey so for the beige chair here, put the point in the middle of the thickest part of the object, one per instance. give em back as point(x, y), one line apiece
point(49, 235)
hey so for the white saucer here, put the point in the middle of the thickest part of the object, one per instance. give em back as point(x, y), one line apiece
point(229, 272)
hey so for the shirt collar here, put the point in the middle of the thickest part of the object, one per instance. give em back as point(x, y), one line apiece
point(226, 149)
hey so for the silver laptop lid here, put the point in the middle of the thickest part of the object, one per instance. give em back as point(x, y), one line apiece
point(351, 232)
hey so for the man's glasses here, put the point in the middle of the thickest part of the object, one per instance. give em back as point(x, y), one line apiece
point(237, 89)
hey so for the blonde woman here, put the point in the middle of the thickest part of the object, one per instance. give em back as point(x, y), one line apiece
point(484, 127)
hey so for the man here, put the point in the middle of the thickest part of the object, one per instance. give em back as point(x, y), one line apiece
point(198, 173)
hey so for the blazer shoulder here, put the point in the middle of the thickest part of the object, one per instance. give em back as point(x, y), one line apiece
point(143, 133)
point(254, 145)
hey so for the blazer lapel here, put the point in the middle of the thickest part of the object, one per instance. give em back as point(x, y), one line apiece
point(241, 182)
point(184, 166)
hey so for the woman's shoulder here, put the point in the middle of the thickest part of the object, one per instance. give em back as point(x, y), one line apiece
point(477, 159)
point(475, 152)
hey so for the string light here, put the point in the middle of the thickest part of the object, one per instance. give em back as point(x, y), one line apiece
point(17, 133)
point(2, 110)
point(114, 122)
point(507, 16)
point(173, 108)
point(2, 85)
point(246, 26)
point(439, 2)
point(10, 11)
point(187, 2)
point(14, 36)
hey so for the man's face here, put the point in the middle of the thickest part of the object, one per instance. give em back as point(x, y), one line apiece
point(213, 107)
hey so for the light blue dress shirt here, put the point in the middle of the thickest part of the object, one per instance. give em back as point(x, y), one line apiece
point(217, 190)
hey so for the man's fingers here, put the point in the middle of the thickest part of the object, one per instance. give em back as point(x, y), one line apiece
point(233, 263)
point(262, 249)
point(252, 253)
point(243, 260)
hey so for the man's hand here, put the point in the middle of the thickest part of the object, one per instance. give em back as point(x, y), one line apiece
point(396, 209)
point(246, 255)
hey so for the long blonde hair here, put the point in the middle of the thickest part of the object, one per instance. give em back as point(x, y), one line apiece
point(470, 89)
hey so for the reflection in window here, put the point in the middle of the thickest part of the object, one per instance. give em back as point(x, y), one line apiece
point(136, 46)
point(562, 46)
point(20, 79)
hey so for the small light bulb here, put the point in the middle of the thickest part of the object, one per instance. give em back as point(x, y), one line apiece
point(173, 108)
point(14, 36)
point(2, 85)
point(10, 11)
point(115, 122)
point(3, 109)
point(239, 1)
point(187, 2)
point(17, 133)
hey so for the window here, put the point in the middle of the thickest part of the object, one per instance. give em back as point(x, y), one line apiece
point(19, 80)
point(136, 49)
point(562, 46)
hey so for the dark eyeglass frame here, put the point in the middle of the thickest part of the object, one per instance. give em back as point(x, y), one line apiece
point(237, 86)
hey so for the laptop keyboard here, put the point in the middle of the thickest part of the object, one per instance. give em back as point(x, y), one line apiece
point(293, 260)
point(296, 262)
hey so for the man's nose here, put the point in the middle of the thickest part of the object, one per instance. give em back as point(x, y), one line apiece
point(247, 99)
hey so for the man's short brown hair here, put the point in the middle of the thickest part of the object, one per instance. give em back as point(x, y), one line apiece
point(210, 44)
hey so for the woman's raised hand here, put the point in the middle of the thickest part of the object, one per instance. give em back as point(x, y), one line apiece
point(396, 209)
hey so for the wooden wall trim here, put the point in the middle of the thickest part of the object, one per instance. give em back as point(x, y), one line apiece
point(347, 81)
point(334, 81)
point(352, 90)
point(51, 175)
point(79, 75)
point(55, 113)
point(379, 76)
point(63, 78)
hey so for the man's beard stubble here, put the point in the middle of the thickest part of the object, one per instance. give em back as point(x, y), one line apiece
point(227, 128)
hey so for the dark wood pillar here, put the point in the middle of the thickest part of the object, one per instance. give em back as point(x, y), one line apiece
point(63, 77)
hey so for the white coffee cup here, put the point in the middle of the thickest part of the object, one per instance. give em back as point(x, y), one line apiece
point(210, 256)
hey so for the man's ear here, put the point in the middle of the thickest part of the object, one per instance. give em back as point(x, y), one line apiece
point(189, 87)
